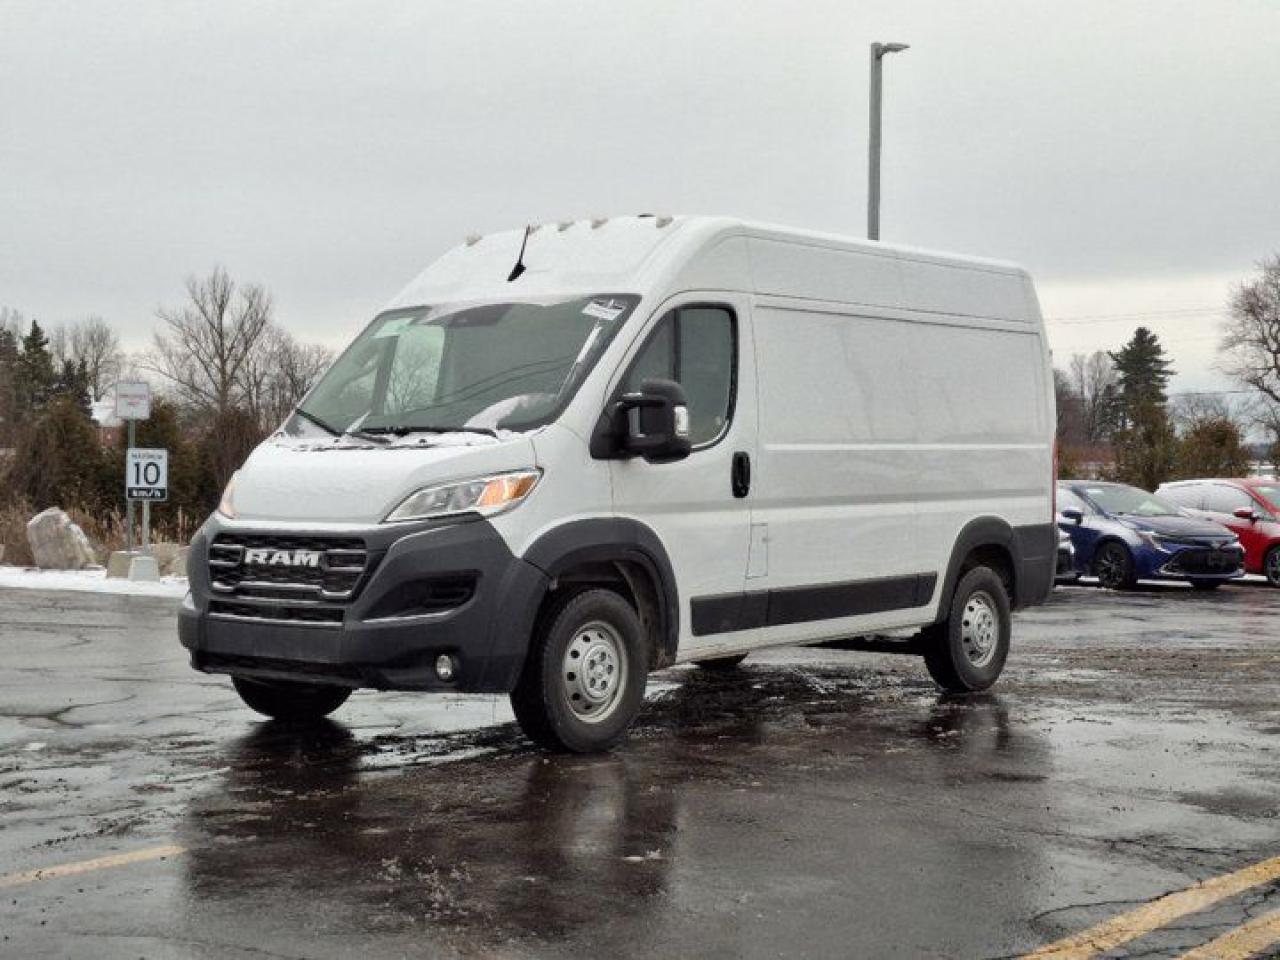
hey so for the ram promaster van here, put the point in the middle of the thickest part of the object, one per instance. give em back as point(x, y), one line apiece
point(566, 456)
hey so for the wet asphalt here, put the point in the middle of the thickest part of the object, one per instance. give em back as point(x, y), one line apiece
point(814, 803)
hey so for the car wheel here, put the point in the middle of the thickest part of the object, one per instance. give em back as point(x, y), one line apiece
point(583, 682)
point(721, 664)
point(284, 700)
point(1271, 566)
point(1205, 586)
point(1113, 566)
point(966, 652)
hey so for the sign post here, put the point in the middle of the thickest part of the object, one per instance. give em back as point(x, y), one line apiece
point(133, 403)
point(146, 478)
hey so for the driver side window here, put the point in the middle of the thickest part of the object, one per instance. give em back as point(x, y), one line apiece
point(697, 348)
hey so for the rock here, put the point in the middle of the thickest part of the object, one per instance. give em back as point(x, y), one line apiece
point(57, 543)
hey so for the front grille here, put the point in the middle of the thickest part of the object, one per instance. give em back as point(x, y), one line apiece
point(284, 568)
point(1206, 561)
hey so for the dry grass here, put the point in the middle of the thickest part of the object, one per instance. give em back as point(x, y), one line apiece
point(104, 530)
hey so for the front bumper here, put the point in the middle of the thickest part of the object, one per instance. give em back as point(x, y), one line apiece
point(1194, 563)
point(386, 636)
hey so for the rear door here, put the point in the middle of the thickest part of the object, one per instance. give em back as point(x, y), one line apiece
point(699, 506)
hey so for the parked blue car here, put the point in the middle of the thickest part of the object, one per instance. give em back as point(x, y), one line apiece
point(1123, 535)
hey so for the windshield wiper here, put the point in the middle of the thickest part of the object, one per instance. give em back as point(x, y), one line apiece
point(405, 431)
point(317, 421)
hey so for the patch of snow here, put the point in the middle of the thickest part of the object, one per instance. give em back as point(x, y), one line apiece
point(88, 581)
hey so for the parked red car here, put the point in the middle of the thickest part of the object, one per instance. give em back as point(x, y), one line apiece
point(1250, 508)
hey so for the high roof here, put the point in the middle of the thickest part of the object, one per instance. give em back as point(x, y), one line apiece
point(630, 254)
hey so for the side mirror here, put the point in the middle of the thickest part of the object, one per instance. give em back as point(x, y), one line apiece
point(1244, 513)
point(654, 421)
point(1075, 516)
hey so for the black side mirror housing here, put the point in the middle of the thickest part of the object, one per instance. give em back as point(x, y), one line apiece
point(1075, 516)
point(654, 422)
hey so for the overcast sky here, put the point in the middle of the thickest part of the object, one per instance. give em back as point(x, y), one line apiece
point(1128, 153)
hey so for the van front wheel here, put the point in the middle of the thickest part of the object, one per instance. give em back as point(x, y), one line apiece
point(966, 652)
point(583, 682)
point(283, 700)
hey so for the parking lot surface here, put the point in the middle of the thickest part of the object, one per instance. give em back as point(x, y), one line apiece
point(815, 803)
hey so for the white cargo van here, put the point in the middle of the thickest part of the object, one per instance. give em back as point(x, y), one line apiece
point(566, 456)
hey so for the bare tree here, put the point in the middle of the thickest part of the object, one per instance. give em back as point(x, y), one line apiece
point(59, 345)
point(1250, 345)
point(209, 340)
point(13, 321)
point(1191, 410)
point(279, 374)
point(95, 344)
point(1094, 382)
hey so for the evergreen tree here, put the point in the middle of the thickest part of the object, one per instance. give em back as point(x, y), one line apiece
point(1146, 450)
point(9, 358)
point(58, 460)
point(1144, 372)
point(36, 379)
point(73, 383)
point(1213, 448)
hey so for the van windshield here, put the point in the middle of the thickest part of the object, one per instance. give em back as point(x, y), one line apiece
point(478, 367)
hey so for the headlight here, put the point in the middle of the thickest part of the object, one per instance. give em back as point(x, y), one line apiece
point(1154, 540)
point(483, 495)
point(227, 505)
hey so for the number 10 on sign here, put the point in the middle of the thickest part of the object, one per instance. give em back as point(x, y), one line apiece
point(146, 474)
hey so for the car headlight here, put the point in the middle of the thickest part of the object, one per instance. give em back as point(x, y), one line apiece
point(1154, 540)
point(483, 495)
point(227, 505)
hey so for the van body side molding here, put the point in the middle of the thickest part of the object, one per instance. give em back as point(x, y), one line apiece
point(828, 601)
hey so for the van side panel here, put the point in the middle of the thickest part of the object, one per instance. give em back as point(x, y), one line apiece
point(903, 408)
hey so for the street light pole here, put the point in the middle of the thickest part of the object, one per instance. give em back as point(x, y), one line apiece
point(878, 50)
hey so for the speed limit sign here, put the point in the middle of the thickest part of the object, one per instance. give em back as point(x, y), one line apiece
point(146, 474)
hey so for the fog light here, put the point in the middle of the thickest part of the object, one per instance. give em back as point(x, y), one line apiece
point(444, 667)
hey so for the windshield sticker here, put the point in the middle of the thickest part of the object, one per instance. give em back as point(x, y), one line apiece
point(393, 328)
point(604, 309)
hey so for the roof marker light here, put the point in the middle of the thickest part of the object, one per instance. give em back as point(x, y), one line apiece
point(564, 225)
point(473, 239)
point(663, 221)
point(598, 222)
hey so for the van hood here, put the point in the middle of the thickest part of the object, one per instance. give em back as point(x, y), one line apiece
point(1180, 527)
point(340, 482)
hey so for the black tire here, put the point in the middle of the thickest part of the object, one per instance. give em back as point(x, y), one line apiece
point(552, 703)
point(283, 700)
point(1271, 566)
point(1205, 586)
point(721, 664)
point(1113, 566)
point(966, 652)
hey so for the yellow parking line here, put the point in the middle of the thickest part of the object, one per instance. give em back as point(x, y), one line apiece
point(1129, 926)
point(1242, 942)
point(87, 866)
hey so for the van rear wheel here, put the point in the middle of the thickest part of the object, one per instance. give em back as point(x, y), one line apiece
point(966, 652)
point(283, 700)
point(583, 682)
